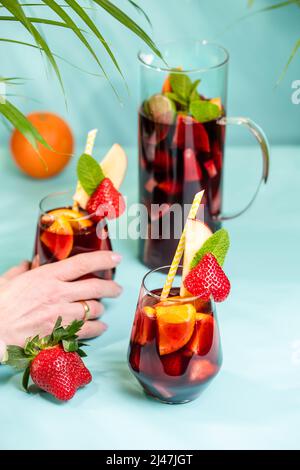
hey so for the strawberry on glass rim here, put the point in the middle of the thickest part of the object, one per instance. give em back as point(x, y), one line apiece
point(204, 276)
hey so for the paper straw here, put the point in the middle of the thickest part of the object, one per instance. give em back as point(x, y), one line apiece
point(180, 248)
point(90, 141)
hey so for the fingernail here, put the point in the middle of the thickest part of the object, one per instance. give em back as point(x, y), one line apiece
point(120, 289)
point(104, 326)
point(116, 257)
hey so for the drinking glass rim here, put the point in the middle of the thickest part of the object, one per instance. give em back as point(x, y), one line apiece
point(203, 42)
point(56, 194)
point(169, 299)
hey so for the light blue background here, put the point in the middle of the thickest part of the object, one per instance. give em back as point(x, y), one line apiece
point(259, 48)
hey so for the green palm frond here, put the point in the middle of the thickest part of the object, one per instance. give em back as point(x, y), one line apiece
point(20, 122)
point(17, 12)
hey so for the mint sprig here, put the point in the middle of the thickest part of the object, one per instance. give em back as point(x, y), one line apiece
point(218, 245)
point(181, 85)
point(90, 173)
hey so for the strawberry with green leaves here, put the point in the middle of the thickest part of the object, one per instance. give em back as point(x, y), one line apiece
point(206, 278)
point(105, 201)
point(54, 362)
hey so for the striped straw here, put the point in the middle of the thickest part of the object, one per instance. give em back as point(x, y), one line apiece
point(90, 141)
point(180, 248)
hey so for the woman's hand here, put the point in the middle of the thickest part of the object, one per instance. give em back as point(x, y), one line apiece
point(31, 300)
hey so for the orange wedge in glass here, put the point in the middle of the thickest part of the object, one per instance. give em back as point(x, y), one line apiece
point(175, 326)
point(75, 218)
point(58, 238)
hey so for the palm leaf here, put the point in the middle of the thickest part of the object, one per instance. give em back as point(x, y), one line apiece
point(141, 11)
point(72, 25)
point(20, 122)
point(27, 44)
point(294, 52)
point(124, 19)
point(83, 15)
point(17, 11)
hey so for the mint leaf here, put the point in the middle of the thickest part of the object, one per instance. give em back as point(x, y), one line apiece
point(204, 111)
point(181, 85)
point(176, 98)
point(218, 245)
point(89, 173)
point(194, 95)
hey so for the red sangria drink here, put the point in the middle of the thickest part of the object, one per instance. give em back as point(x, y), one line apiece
point(176, 161)
point(65, 232)
point(182, 123)
point(70, 225)
point(175, 348)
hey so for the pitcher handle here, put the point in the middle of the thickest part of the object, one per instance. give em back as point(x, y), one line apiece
point(264, 145)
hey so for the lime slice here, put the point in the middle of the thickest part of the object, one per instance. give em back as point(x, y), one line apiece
point(161, 109)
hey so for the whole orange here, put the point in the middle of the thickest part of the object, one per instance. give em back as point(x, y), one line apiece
point(56, 133)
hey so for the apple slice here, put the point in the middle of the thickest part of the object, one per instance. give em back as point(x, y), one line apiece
point(114, 166)
point(196, 234)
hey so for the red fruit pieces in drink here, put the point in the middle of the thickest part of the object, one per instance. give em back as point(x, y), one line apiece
point(174, 364)
point(146, 326)
point(200, 370)
point(192, 170)
point(170, 187)
point(162, 160)
point(190, 134)
point(202, 340)
point(211, 168)
point(175, 327)
point(58, 238)
point(59, 373)
point(106, 201)
point(150, 185)
point(208, 279)
point(159, 133)
point(135, 356)
point(217, 155)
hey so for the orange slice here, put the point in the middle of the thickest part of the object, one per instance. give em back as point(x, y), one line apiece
point(58, 238)
point(75, 218)
point(175, 326)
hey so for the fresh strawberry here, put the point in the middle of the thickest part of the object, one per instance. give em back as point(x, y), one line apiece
point(106, 201)
point(208, 278)
point(59, 373)
point(54, 363)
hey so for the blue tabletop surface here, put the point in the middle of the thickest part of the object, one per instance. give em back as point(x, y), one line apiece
point(255, 400)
